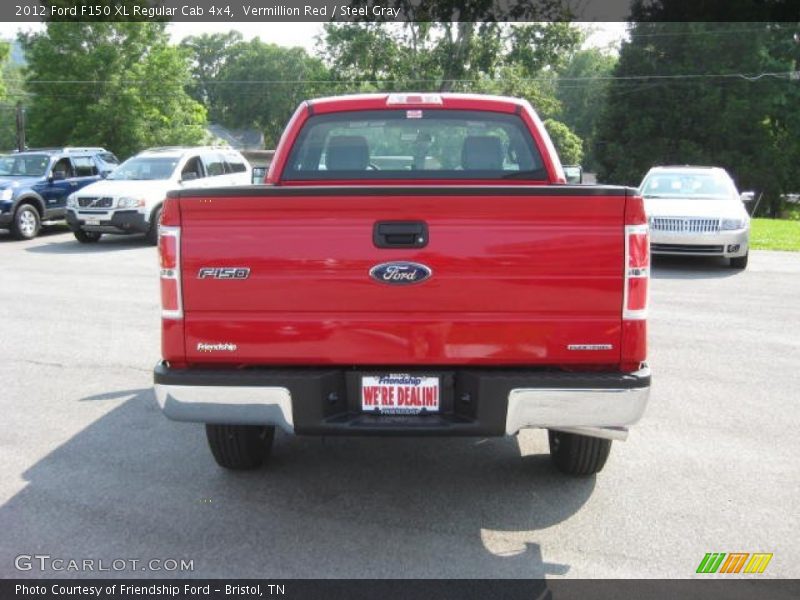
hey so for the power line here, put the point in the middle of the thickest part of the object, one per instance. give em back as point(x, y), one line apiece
point(745, 76)
point(696, 33)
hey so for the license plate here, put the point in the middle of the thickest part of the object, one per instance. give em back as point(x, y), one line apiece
point(93, 221)
point(399, 394)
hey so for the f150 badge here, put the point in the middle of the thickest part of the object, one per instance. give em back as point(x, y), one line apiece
point(400, 273)
point(223, 273)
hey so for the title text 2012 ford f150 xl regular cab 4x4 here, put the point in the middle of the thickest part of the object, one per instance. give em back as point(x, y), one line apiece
point(414, 265)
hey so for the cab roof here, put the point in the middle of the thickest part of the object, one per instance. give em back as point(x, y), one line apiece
point(418, 100)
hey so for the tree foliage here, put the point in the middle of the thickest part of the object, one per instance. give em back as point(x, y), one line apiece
point(706, 93)
point(118, 85)
point(7, 105)
point(568, 145)
point(209, 54)
point(463, 56)
point(4, 52)
point(252, 84)
point(582, 90)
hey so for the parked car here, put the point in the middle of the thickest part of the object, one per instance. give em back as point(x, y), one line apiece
point(129, 200)
point(696, 211)
point(465, 290)
point(35, 184)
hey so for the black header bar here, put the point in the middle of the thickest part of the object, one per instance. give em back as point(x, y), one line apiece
point(399, 11)
point(735, 588)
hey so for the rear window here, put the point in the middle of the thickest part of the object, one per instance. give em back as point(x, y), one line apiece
point(414, 144)
point(84, 166)
point(215, 164)
point(234, 163)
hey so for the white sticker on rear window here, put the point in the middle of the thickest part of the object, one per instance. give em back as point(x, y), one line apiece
point(413, 114)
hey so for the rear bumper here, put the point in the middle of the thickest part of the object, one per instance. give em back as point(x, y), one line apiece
point(480, 402)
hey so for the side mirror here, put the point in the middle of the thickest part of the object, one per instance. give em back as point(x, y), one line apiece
point(58, 175)
point(747, 196)
point(190, 176)
point(574, 173)
point(258, 175)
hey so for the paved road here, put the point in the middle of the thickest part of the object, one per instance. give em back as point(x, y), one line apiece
point(90, 468)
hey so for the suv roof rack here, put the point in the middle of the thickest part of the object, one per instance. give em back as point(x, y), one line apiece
point(84, 149)
point(65, 149)
point(172, 148)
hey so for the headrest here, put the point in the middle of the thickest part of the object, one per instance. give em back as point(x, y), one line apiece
point(347, 153)
point(482, 152)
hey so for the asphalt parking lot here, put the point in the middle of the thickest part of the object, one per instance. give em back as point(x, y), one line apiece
point(89, 468)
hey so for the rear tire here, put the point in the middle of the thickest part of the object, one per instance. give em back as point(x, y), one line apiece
point(240, 447)
point(739, 262)
point(27, 223)
point(87, 237)
point(152, 233)
point(578, 455)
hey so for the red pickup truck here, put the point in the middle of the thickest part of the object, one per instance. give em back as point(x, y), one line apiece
point(417, 265)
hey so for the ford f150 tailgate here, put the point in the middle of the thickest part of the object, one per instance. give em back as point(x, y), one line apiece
point(518, 275)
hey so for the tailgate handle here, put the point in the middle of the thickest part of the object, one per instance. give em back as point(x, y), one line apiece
point(400, 234)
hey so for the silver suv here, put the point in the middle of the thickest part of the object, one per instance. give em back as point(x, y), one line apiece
point(129, 199)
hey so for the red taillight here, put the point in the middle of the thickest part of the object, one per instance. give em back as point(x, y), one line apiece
point(637, 272)
point(169, 250)
point(633, 351)
point(169, 297)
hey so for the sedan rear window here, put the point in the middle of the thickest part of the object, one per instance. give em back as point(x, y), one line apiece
point(414, 144)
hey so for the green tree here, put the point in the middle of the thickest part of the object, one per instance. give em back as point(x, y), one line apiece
point(261, 85)
point(446, 56)
point(209, 54)
point(568, 145)
point(705, 93)
point(582, 90)
point(119, 85)
point(4, 53)
point(7, 101)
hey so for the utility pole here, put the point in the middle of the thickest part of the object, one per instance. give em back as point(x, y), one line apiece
point(20, 127)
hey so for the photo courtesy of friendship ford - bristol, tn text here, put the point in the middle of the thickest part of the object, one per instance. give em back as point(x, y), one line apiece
point(389, 299)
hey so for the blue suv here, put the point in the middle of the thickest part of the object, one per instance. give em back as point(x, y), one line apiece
point(34, 184)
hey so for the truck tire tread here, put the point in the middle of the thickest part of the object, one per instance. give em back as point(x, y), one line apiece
point(152, 233)
point(578, 455)
point(240, 447)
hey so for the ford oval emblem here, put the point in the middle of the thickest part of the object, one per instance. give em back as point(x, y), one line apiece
point(400, 273)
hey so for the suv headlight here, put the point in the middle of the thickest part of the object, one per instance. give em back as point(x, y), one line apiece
point(6, 194)
point(126, 202)
point(731, 224)
point(72, 201)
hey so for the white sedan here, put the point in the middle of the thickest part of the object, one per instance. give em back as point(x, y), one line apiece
point(696, 211)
